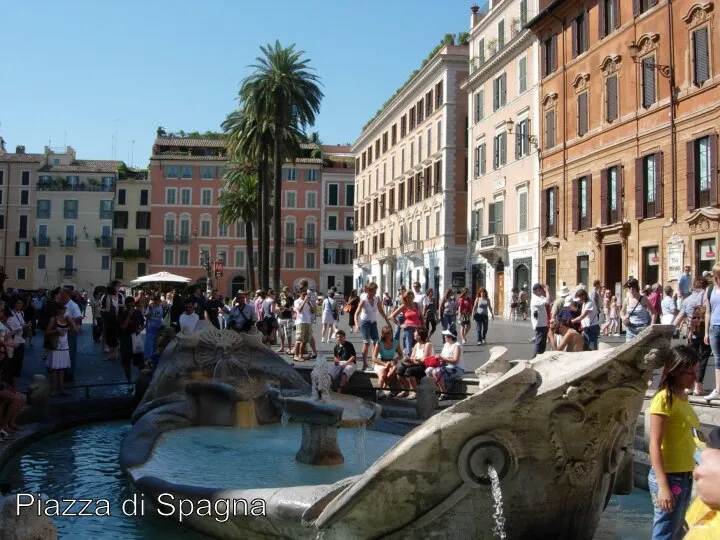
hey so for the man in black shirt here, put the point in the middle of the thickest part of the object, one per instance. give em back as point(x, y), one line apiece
point(345, 366)
point(198, 301)
point(212, 306)
point(130, 322)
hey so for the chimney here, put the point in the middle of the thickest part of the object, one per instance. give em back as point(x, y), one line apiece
point(19, 149)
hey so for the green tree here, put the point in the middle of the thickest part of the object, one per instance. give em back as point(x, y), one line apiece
point(314, 138)
point(239, 203)
point(282, 87)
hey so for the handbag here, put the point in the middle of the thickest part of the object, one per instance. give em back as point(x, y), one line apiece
point(431, 362)
point(347, 308)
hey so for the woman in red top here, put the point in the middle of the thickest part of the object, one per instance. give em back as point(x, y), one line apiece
point(412, 320)
point(464, 313)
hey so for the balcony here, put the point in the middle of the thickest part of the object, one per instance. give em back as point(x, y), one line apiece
point(386, 253)
point(362, 260)
point(413, 246)
point(62, 184)
point(103, 241)
point(67, 272)
point(310, 241)
point(289, 240)
point(41, 241)
point(68, 241)
point(117, 252)
point(491, 243)
point(183, 239)
point(131, 253)
point(169, 238)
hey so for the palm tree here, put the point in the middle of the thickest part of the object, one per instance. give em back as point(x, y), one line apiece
point(314, 138)
point(284, 88)
point(239, 203)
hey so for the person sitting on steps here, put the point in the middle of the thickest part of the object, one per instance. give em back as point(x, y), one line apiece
point(345, 366)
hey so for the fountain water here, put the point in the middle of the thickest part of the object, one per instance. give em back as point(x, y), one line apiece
point(285, 419)
point(320, 379)
point(359, 437)
point(499, 528)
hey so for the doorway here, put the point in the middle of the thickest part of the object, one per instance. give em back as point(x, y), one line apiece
point(347, 285)
point(238, 283)
point(436, 282)
point(551, 276)
point(704, 255)
point(499, 300)
point(478, 278)
point(613, 266)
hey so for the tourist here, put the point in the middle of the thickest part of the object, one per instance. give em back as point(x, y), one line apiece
point(353, 302)
point(452, 363)
point(607, 297)
point(596, 297)
point(712, 327)
point(366, 319)
point(614, 328)
point(482, 310)
point(655, 298)
point(514, 300)
point(692, 312)
point(344, 366)
point(411, 320)
point(242, 316)
point(56, 337)
point(19, 330)
point(110, 307)
point(330, 316)
point(637, 312)
point(448, 308)
point(412, 368)
point(430, 312)
point(198, 302)
point(97, 329)
point(11, 401)
point(154, 320)
point(540, 315)
point(563, 337)
point(418, 295)
point(399, 297)
point(258, 304)
point(189, 319)
point(130, 323)
point(684, 282)
point(668, 306)
point(523, 303)
point(707, 478)
point(559, 304)
point(314, 302)
point(176, 309)
point(465, 310)
point(30, 317)
point(269, 318)
point(303, 325)
point(672, 447)
point(589, 318)
point(387, 303)
point(386, 354)
point(6, 340)
point(285, 321)
point(72, 310)
point(213, 308)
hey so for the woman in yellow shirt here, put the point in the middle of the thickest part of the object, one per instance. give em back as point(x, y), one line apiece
point(672, 447)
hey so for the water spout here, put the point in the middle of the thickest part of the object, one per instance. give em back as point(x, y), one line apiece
point(499, 528)
point(285, 419)
point(320, 378)
point(359, 436)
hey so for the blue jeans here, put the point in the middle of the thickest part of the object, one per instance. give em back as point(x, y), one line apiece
point(408, 339)
point(369, 331)
point(715, 343)
point(668, 525)
point(481, 325)
point(446, 321)
point(591, 334)
point(541, 334)
point(631, 332)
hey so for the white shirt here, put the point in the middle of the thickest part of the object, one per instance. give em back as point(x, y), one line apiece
point(419, 300)
point(538, 303)
point(72, 310)
point(591, 319)
point(15, 321)
point(188, 322)
point(369, 310)
point(304, 315)
point(448, 351)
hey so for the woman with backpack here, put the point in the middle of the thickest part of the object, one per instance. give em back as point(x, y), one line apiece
point(637, 311)
point(712, 327)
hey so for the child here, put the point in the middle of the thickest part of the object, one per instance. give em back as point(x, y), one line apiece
point(614, 328)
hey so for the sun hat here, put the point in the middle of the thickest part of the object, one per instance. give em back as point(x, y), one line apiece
point(450, 332)
point(563, 291)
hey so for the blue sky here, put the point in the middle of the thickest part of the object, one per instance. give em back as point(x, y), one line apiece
point(75, 70)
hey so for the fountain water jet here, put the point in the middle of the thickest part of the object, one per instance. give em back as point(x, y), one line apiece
point(499, 529)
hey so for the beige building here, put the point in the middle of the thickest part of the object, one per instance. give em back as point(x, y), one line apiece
point(130, 241)
point(411, 181)
point(73, 220)
point(503, 196)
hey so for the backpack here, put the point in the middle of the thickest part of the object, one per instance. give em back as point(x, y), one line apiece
point(697, 321)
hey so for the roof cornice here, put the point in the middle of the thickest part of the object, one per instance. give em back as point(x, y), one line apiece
point(519, 43)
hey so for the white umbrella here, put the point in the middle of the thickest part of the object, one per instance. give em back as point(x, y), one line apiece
point(165, 277)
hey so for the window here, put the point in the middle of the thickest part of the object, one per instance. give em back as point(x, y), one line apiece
point(332, 223)
point(412, 153)
point(393, 135)
point(206, 196)
point(333, 195)
point(420, 111)
point(141, 269)
point(581, 203)
point(290, 232)
point(349, 223)
point(43, 209)
point(142, 220)
point(403, 126)
point(183, 257)
point(439, 98)
point(548, 211)
point(184, 230)
point(120, 220)
point(24, 197)
point(501, 34)
point(310, 234)
point(290, 199)
point(702, 160)
point(22, 249)
point(580, 34)
point(70, 238)
point(23, 227)
point(648, 81)
point(187, 171)
point(701, 55)
point(105, 262)
point(311, 175)
point(523, 210)
point(499, 150)
point(583, 269)
point(610, 195)
point(419, 139)
point(429, 140)
point(499, 92)
point(290, 175)
point(205, 228)
point(70, 209)
point(106, 209)
point(549, 55)
point(522, 75)
point(171, 196)
point(239, 258)
point(171, 171)
point(609, 13)
point(523, 12)
point(311, 199)
point(185, 196)
point(289, 259)
point(411, 118)
point(439, 135)
point(641, 6)
point(480, 151)
point(207, 173)
point(144, 196)
point(169, 257)
point(25, 178)
point(648, 186)
point(582, 114)
point(549, 129)
point(310, 259)
point(121, 197)
point(223, 230)
point(479, 105)
point(611, 98)
point(522, 139)
point(169, 230)
point(350, 194)
point(495, 217)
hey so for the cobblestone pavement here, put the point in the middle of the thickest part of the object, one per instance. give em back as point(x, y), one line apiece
point(92, 368)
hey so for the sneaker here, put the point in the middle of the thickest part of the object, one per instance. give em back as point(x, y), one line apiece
point(712, 395)
point(322, 340)
point(403, 394)
point(479, 342)
point(616, 335)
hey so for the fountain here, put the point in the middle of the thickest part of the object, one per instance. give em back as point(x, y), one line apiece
point(535, 453)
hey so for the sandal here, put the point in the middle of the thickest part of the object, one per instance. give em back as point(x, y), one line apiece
point(298, 359)
point(313, 356)
point(403, 394)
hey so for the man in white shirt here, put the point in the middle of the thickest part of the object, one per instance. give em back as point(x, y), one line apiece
point(303, 325)
point(72, 310)
point(189, 319)
point(313, 300)
point(419, 296)
point(539, 309)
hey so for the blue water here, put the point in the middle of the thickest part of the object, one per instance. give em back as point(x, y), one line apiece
point(627, 517)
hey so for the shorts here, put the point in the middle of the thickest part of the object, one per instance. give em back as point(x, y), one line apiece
point(303, 332)
point(379, 369)
point(349, 368)
point(369, 331)
point(411, 370)
point(328, 317)
point(464, 319)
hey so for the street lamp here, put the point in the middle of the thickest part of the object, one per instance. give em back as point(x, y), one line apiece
point(532, 139)
point(206, 263)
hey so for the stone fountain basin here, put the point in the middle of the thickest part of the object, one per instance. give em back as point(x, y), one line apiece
point(345, 411)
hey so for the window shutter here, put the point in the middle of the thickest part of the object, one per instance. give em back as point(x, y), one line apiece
point(544, 213)
point(556, 211)
point(702, 64)
point(648, 81)
point(619, 192)
point(582, 114)
point(550, 129)
point(611, 98)
point(604, 206)
point(601, 18)
point(503, 90)
point(586, 30)
point(491, 218)
point(691, 188)
point(588, 198)
point(639, 189)
point(496, 94)
point(518, 144)
point(545, 57)
point(496, 152)
point(575, 31)
point(477, 161)
point(636, 8)
point(713, 142)
point(482, 158)
point(554, 48)
point(616, 14)
point(658, 184)
point(503, 148)
point(575, 205)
